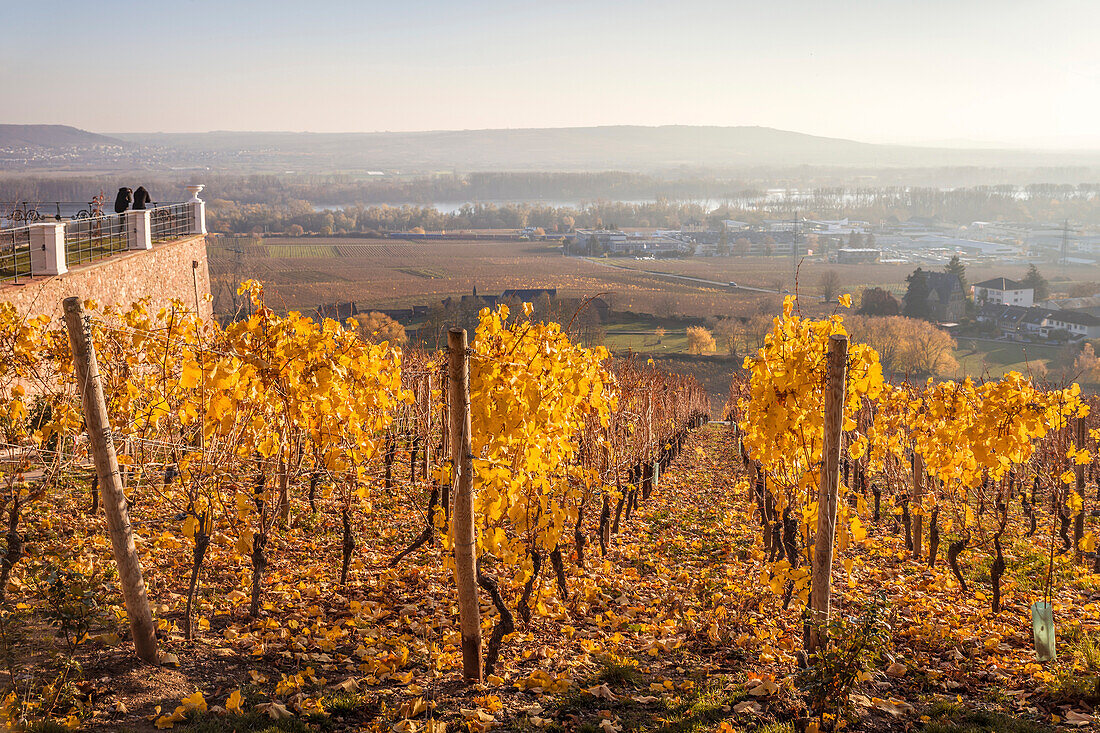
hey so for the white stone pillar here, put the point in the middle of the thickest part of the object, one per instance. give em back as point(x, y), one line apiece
point(48, 249)
point(139, 229)
point(198, 209)
point(198, 217)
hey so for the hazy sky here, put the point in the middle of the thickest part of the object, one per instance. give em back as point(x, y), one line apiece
point(877, 70)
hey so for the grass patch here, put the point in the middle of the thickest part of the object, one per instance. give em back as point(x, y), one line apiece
point(254, 722)
point(978, 358)
point(955, 718)
point(689, 711)
point(618, 673)
point(47, 726)
point(341, 708)
point(696, 713)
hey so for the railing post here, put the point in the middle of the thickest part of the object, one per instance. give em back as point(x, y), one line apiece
point(48, 249)
point(139, 231)
point(198, 209)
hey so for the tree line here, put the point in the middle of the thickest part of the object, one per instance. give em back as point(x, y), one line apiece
point(278, 203)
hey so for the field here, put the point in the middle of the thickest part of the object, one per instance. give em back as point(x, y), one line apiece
point(393, 273)
point(397, 274)
point(303, 273)
point(777, 272)
point(991, 359)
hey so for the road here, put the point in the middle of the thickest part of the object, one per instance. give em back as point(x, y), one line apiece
point(687, 278)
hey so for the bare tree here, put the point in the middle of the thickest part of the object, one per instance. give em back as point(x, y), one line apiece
point(830, 285)
point(665, 306)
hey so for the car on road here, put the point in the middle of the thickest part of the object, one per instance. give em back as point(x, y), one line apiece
point(733, 284)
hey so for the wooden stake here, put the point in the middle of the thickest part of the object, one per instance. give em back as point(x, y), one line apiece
point(1079, 521)
point(915, 511)
point(426, 411)
point(110, 482)
point(836, 367)
point(462, 522)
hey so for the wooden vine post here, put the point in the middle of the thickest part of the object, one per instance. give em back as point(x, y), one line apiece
point(915, 504)
point(462, 519)
point(426, 412)
point(110, 481)
point(836, 367)
point(1079, 471)
point(445, 443)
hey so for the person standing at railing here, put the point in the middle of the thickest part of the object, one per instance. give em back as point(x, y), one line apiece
point(141, 198)
point(123, 200)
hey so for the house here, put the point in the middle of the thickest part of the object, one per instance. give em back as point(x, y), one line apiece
point(338, 311)
point(1004, 291)
point(946, 303)
point(1018, 323)
point(528, 295)
point(1008, 319)
point(1077, 324)
point(473, 300)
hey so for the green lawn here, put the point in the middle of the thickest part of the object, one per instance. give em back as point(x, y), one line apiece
point(985, 358)
point(976, 358)
point(639, 336)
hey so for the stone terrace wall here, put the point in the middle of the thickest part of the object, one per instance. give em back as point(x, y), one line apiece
point(160, 274)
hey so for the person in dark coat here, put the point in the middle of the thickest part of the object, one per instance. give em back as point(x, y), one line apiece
point(141, 198)
point(123, 200)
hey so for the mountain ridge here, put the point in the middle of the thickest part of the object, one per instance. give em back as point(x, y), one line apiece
point(610, 147)
point(50, 136)
point(632, 148)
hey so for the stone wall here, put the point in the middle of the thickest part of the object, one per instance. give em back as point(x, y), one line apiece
point(160, 274)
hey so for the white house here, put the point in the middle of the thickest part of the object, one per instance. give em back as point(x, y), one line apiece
point(1003, 291)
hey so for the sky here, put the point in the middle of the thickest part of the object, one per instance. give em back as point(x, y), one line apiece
point(1004, 72)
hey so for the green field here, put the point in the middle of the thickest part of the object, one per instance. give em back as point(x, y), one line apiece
point(977, 358)
point(993, 359)
point(640, 337)
point(301, 251)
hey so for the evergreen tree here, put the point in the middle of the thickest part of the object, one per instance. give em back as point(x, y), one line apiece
point(916, 295)
point(958, 269)
point(1037, 282)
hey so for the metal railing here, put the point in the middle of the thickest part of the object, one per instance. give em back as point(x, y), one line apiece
point(58, 246)
point(95, 238)
point(171, 221)
point(15, 254)
point(19, 213)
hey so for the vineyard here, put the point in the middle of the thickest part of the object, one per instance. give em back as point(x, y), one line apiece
point(277, 525)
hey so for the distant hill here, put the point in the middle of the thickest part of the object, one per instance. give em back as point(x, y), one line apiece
point(620, 147)
point(51, 136)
